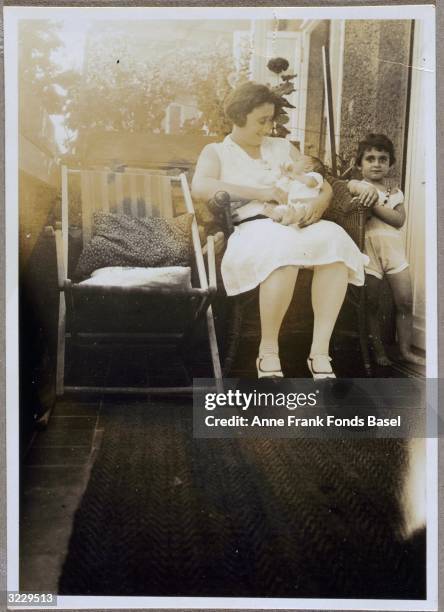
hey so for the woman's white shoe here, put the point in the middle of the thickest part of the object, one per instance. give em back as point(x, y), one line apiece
point(269, 366)
point(319, 366)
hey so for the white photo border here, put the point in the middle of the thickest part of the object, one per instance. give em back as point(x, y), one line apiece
point(12, 15)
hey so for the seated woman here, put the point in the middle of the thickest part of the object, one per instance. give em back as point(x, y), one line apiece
point(269, 254)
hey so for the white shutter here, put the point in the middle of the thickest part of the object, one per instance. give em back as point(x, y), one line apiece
point(416, 189)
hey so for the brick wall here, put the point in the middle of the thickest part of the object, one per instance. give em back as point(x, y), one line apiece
point(374, 94)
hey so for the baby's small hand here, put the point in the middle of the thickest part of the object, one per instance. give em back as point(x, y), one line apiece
point(293, 169)
point(286, 169)
point(279, 212)
point(269, 209)
point(288, 216)
point(294, 214)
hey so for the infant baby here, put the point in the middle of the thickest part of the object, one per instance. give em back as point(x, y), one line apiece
point(303, 184)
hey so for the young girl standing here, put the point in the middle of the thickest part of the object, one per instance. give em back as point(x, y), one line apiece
point(384, 245)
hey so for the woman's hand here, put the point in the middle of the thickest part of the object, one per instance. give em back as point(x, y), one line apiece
point(316, 208)
point(313, 214)
point(273, 194)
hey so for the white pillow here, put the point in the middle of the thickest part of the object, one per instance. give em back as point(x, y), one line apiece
point(118, 276)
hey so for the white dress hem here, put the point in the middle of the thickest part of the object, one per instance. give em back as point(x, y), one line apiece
point(352, 280)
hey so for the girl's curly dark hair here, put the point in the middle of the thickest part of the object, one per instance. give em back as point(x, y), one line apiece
point(380, 142)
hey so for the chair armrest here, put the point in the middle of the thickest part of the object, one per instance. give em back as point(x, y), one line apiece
point(346, 210)
point(55, 231)
point(353, 208)
point(220, 202)
point(212, 280)
point(219, 243)
point(342, 202)
point(220, 206)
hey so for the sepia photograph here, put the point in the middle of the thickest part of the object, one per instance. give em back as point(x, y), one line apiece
point(239, 198)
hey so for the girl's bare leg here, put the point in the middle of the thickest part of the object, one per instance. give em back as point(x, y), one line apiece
point(327, 295)
point(401, 287)
point(373, 291)
point(275, 295)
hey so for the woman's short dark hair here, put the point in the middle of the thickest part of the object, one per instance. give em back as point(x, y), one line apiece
point(245, 98)
point(380, 142)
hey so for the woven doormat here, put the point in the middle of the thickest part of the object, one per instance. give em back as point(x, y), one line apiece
point(166, 514)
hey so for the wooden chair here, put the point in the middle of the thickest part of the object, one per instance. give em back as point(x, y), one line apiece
point(351, 216)
point(141, 194)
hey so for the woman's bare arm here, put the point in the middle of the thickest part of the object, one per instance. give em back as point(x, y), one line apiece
point(309, 181)
point(206, 182)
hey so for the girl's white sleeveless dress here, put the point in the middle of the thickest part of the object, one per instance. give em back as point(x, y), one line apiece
point(259, 247)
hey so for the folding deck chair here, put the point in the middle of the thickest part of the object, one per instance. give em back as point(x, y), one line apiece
point(141, 194)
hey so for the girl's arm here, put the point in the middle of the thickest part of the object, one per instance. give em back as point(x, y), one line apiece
point(367, 194)
point(206, 182)
point(357, 187)
point(392, 216)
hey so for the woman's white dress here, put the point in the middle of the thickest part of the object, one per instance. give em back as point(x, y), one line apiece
point(257, 248)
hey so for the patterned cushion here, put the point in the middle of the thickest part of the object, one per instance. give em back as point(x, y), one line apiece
point(121, 240)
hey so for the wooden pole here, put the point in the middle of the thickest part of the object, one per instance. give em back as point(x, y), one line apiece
point(329, 99)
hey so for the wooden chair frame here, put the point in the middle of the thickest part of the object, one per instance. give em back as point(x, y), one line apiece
point(202, 294)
